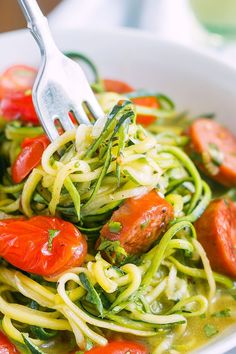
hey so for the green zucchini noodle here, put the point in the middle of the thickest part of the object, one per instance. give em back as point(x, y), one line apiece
point(84, 175)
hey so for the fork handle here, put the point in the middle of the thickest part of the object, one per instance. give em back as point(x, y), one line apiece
point(38, 25)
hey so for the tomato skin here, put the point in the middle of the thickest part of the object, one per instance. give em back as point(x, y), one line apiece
point(29, 157)
point(216, 231)
point(119, 347)
point(142, 221)
point(16, 79)
point(202, 133)
point(24, 244)
point(19, 107)
point(150, 102)
point(6, 347)
point(117, 86)
point(122, 87)
point(15, 93)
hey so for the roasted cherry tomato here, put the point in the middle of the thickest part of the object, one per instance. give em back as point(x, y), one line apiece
point(213, 144)
point(119, 347)
point(42, 245)
point(15, 93)
point(140, 222)
point(117, 86)
point(6, 347)
point(216, 230)
point(150, 102)
point(29, 157)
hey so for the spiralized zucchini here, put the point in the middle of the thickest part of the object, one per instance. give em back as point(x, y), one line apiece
point(83, 177)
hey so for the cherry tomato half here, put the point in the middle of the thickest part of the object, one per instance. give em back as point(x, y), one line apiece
point(42, 245)
point(6, 347)
point(29, 157)
point(119, 347)
point(117, 86)
point(15, 93)
point(150, 102)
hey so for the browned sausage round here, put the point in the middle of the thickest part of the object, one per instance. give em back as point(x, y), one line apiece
point(216, 231)
point(138, 222)
point(213, 148)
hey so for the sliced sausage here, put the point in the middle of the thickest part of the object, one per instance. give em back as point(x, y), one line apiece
point(139, 221)
point(216, 231)
point(213, 148)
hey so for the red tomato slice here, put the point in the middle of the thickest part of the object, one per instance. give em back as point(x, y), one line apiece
point(16, 79)
point(25, 244)
point(16, 100)
point(29, 157)
point(19, 106)
point(150, 102)
point(6, 347)
point(119, 347)
point(117, 86)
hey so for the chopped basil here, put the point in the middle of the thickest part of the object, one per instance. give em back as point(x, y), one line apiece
point(216, 154)
point(114, 226)
point(51, 235)
point(114, 251)
point(210, 330)
point(202, 316)
point(112, 246)
point(31, 346)
point(222, 313)
point(89, 344)
point(145, 224)
point(92, 295)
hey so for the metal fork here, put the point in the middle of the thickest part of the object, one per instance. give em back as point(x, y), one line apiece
point(61, 86)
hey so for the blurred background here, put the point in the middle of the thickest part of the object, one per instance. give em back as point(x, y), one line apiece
point(206, 24)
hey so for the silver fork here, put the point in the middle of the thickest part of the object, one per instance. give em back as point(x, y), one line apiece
point(61, 86)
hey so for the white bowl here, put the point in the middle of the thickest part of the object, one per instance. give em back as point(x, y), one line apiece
point(196, 81)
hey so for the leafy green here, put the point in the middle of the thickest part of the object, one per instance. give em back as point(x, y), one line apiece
point(92, 295)
point(114, 226)
point(145, 224)
point(216, 154)
point(51, 235)
point(222, 313)
point(31, 346)
point(42, 334)
point(210, 330)
point(113, 250)
point(202, 316)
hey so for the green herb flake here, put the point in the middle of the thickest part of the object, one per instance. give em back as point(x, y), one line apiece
point(92, 295)
point(114, 251)
point(145, 224)
point(51, 235)
point(222, 313)
point(216, 154)
point(202, 316)
point(31, 346)
point(89, 344)
point(114, 226)
point(112, 246)
point(210, 330)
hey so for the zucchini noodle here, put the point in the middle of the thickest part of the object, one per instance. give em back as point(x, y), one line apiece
point(83, 177)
